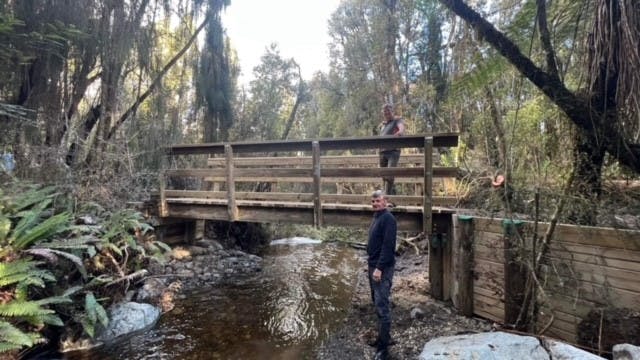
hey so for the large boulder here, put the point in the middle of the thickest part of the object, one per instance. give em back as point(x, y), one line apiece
point(128, 317)
point(500, 346)
point(626, 352)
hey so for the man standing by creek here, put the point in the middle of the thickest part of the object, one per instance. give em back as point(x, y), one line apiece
point(381, 261)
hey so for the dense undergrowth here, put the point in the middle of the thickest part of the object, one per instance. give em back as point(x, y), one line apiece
point(62, 263)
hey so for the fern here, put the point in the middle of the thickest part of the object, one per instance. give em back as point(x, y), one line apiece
point(12, 338)
point(44, 230)
point(23, 309)
point(23, 272)
point(52, 255)
point(82, 242)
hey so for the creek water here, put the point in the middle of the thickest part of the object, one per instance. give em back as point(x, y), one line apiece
point(297, 301)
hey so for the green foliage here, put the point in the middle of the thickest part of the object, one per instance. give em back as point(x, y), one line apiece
point(19, 312)
point(93, 313)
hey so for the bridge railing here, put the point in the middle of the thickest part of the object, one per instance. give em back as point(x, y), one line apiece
point(308, 176)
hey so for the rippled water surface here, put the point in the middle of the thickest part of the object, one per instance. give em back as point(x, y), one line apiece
point(298, 299)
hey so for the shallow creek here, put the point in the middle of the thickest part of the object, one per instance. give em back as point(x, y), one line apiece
point(284, 312)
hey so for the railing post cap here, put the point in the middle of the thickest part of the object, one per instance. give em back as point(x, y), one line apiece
point(511, 222)
point(465, 217)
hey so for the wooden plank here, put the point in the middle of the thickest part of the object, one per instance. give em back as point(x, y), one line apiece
point(490, 240)
point(621, 279)
point(596, 293)
point(490, 225)
point(341, 160)
point(596, 259)
point(582, 235)
point(303, 180)
point(346, 198)
point(487, 253)
point(605, 252)
point(488, 307)
point(372, 142)
point(490, 293)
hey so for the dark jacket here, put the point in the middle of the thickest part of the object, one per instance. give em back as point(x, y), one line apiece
point(382, 240)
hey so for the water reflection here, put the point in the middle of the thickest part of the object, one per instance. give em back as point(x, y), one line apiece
point(302, 293)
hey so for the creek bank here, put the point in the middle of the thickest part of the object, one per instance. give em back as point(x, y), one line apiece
point(206, 263)
point(417, 319)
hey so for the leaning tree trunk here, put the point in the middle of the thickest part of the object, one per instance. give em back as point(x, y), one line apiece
point(588, 159)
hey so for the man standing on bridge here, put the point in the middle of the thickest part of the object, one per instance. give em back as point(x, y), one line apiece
point(381, 260)
point(391, 125)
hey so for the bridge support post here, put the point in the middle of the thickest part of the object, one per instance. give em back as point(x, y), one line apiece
point(434, 240)
point(317, 203)
point(232, 209)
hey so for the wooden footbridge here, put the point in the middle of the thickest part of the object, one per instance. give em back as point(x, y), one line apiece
point(317, 182)
point(325, 182)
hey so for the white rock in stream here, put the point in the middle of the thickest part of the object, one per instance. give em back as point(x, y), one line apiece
point(128, 317)
point(499, 346)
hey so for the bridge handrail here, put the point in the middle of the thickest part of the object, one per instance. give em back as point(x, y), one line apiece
point(372, 142)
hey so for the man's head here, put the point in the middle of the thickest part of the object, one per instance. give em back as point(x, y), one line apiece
point(378, 200)
point(387, 111)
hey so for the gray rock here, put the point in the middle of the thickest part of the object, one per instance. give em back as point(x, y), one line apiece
point(492, 345)
point(128, 317)
point(417, 313)
point(626, 352)
point(562, 351)
point(151, 290)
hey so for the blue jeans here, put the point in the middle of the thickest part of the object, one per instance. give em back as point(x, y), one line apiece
point(380, 294)
point(389, 158)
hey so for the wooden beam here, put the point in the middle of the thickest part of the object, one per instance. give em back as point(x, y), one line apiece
point(415, 174)
point(465, 261)
point(373, 142)
point(231, 185)
point(342, 160)
point(515, 274)
point(317, 204)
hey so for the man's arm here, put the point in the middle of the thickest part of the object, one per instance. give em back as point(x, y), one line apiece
point(400, 126)
point(387, 252)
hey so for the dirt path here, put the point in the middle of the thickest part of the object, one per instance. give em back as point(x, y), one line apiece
point(416, 318)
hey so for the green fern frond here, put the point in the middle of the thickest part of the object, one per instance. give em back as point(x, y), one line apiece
point(81, 242)
point(5, 227)
point(7, 346)
point(113, 247)
point(77, 261)
point(16, 267)
point(23, 272)
point(102, 315)
point(72, 290)
point(90, 305)
point(54, 300)
point(28, 219)
point(88, 327)
point(23, 308)
point(41, 320)
point(22, 279)
point(12, 335)
point(33, 196)
point(44, 230)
